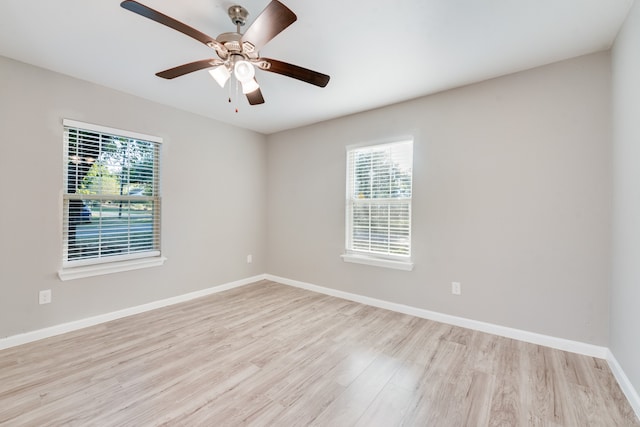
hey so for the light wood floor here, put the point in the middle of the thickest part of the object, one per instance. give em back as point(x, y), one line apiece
point(272, 355)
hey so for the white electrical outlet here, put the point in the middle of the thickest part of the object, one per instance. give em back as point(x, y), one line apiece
point(249, 259)
point(455, 288)
point(45, 297)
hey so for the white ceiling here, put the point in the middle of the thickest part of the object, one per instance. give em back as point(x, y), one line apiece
point(376, 52)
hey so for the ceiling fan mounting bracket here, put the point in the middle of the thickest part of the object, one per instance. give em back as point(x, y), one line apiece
point(238, 15)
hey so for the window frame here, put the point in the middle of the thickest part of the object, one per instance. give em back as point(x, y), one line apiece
point(87, 267)
point(388, 260)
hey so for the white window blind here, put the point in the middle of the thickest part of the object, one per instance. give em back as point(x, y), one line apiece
point(111, 195)
point(379, 181)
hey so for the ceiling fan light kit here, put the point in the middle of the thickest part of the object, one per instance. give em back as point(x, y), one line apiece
point(243, 70)
point(238, 53)
point(220, 75)
point(250, 86)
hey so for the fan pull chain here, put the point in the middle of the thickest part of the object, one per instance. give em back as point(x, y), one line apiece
point(236, 98)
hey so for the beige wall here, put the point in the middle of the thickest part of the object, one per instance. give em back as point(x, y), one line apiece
point(213, 192)
point(512, 199)
point(512, 195)
point(625, 289)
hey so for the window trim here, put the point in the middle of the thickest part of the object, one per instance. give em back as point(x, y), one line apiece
point(376, 261)
point(79, 272)
point(100, 266)
point(398, 262)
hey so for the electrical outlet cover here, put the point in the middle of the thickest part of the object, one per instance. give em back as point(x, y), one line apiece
point(45, 296)
point(456, 288)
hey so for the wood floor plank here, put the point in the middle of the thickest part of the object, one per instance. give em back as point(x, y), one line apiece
point(506, 405)
point(387, 409)
point(350, 405)
point(477, 402)
point(272, 355)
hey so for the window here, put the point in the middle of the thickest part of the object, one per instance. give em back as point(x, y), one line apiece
point(379, 181)
point(111, 200)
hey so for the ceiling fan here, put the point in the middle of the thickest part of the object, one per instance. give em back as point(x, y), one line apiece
point(238, 53)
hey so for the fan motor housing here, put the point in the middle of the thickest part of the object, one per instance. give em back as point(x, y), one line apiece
point(232, 41)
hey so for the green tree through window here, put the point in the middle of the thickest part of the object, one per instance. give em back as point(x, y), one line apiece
point(112, 203)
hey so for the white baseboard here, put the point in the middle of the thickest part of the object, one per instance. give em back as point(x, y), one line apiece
point(51, 331)
point(531, 337)
point(625, 384)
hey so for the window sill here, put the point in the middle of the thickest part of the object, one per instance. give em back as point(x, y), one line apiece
point(378, 262)
point(71, 273)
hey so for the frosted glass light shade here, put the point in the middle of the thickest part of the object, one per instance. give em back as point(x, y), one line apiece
point(244, 71)
point(249, 86)
point(220, 74)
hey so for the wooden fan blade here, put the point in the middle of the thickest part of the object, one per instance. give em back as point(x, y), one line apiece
point(163, 19)
point(255, 97)
point(181, 70)
point(293, 71)
point(271, 22)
